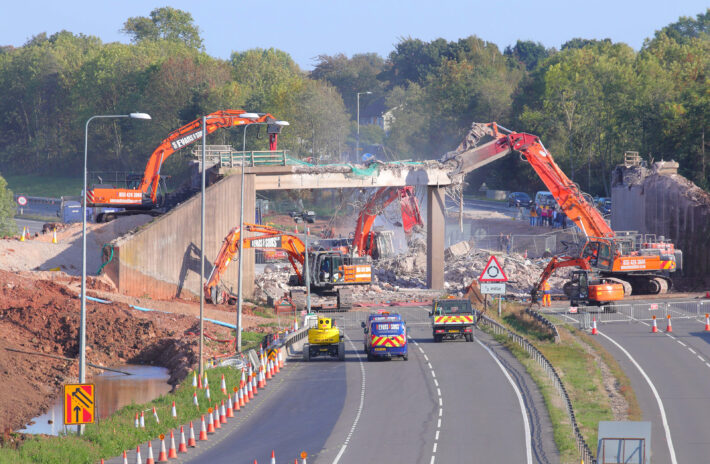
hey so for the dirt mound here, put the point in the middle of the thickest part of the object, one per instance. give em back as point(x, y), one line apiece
point(42, 316)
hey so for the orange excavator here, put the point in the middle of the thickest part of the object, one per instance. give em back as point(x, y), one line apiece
point(143, 193)
point(365, 241)
point(328, 270)
point(632, 263)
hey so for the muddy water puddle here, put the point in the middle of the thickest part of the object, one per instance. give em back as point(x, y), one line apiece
point(113, 391)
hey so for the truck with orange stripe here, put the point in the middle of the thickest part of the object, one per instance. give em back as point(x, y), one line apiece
point(452, 318)
point(385, 336)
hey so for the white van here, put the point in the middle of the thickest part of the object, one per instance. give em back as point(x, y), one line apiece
point(545, 198)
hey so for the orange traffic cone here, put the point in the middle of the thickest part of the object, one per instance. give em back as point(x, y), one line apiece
point(150, 459)
point(245, 396)
point(273, 457)
point(194, 379)
point(594, 326)
point(230, 406)
point(137, 422)
point(173, 411)
point(268, 369)
point(207, 381)
point(262, 379)
point(194, 399)
point(210, 421)
point(654, 327)
point(155, 414)
point(191, 442)
point(280, 362)
point(207, 394)
point(217, 423)
point(125, 457)
point(172, 452)
point(222, 414)
point(142, 420)
point(669, 328)
point(54, 236)
point(707, 323)
point(182, 447)
point(237, 398)
point(203, 431)
point(199, 382)
point(22, 237)
point(139, 460)
point(163, 455)
point(223, 386)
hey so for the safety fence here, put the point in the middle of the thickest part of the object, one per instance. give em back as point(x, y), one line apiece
point(691, 309)
point(544, 321)
point(534, 245)
point(552, 374)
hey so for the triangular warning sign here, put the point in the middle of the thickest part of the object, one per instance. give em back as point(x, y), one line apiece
point(493, 272)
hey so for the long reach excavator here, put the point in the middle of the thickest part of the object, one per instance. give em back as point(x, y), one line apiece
point(638, 264)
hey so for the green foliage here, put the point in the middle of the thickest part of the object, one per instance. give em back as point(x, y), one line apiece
point(7, 210)
point(165, 23)
point(45, 186)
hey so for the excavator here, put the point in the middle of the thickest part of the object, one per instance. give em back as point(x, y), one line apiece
point(633, 263)
point(145, 194)
point(370, 243)
point(329, 270)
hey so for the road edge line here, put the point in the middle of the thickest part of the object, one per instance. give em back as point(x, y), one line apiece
point(360, 407)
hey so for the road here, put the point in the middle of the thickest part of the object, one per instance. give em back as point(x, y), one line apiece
point(451, 402)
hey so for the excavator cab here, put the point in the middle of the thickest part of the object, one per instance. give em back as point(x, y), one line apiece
point(600, 254)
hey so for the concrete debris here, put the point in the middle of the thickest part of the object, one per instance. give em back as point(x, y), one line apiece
point(456, 250)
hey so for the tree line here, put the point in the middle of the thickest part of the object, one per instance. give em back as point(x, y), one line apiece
point(589, 101)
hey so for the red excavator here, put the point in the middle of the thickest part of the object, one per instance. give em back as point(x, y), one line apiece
point(636, 263)
point(366, 241)
point(329, 270)
point(142, 194)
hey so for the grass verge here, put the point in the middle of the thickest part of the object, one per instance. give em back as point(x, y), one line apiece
point(45, 186)
point(577, 359)
point(109, 437)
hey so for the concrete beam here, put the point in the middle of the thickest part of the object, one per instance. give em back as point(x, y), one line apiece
point(436, 228)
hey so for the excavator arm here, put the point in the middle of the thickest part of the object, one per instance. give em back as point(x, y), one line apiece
point(555, 263)
point(411, 215)
point(271, 238)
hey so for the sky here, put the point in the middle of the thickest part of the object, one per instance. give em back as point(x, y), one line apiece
point(308, 28)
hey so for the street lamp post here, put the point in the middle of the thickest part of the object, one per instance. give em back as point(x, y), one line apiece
point(357, 139)
point(82, 327)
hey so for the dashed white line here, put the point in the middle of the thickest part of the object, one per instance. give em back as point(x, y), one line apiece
point(681, 343)
point(429, 364)
point(441, 411)
point(701, 358)
point(692, 350)
point(427, 358)
point(360, 407)
point(526, 422)
point(440, 402)
point(436, 382)
point(434, 449)
point(432, 460)
point(433, 374)
point(707, 364)
point(438, 391)
point(438, 425)
point(655, 393)
point(436, 437)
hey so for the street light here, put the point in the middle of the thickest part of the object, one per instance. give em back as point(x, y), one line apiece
point(241, 223)
point(357, 139)
point(82, 328)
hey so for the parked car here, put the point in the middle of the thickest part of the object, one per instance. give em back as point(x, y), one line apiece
point(545, 198)
point(519, 199)
point(603, 204)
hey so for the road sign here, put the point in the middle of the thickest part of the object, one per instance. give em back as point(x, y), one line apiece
point(493, 288)
point(22, 201)
point(79, 404)
point(493, 272)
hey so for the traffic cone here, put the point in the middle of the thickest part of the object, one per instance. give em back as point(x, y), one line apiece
point(223, 386)
point(269, 367)
point(250, 384)
point(243, 396)
point(182, 447)
point(194, 399)
point(210, 422)
point(163, 455)
point(669, 328)
point(173, 411)
point(222, 414)
point(280, 363)
point(654, 327)
point(125, 457)
point(142, 420)
point(273, 457)
point(194, 379)
point(241, 378)
point(138, 422)
point(594, 326)
point(155, 414)
point(139, 460)
point(54, 236)
point(22, 237)
point(207, 381)
point(230, 406)
point(207, 394)
point(199, 382)
point(707, 323)
point(217, 423)
point(262, 381)
point(150, 459)
point(203, 431)
point(237, 400)
point(191, 442)
point(526, 254)
point(172, 452)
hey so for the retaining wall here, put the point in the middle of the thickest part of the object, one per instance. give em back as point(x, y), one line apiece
point(162, 258)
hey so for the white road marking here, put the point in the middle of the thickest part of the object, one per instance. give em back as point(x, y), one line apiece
point(440, 402)
point(701, 358)
point(429, 364)
point(433, 374)
point(681, 343)
point(434, 450)
point(360, 407)
point(436, 437)
point(438, 425)
point(432, 460)
point(441, 411)
point(707, 364)
point(426, 357)
point(655, 393)
point(692, 350)
point(436, 382)
point(526, 423)
point(438, 391)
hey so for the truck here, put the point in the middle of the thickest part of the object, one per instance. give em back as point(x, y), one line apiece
point(451, 319)
point(324, 340)
point(385, 336)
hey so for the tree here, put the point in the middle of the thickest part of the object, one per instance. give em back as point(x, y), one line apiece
point(165, 23)
point(7, 210)
point(528, 53)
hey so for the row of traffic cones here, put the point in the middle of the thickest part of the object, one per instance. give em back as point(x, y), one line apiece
point(295, 461)
point(654, 325)
point(26, 235)
point(252, 379)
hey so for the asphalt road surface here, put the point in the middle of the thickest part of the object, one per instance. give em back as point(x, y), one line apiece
point(450, 402)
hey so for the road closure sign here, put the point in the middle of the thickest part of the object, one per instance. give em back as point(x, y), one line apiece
point(79, 404)
point(493, 272)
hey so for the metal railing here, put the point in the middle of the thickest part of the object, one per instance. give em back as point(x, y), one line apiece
point(552, 374)
point(642, 312)
point(544, 321)
point(232, 159)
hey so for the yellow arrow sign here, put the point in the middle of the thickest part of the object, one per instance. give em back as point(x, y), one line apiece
point(79, 404)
